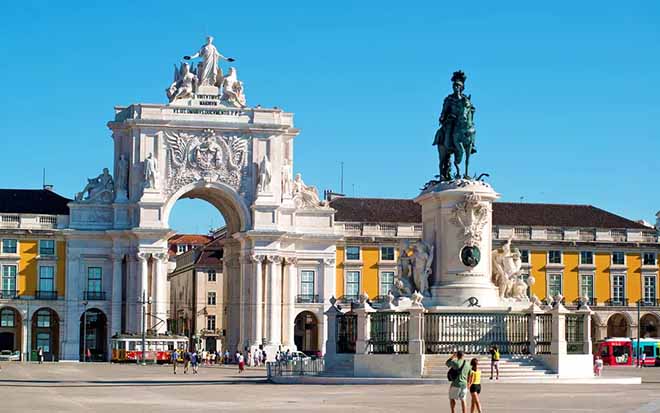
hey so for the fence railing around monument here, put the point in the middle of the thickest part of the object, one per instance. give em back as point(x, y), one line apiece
point(346, 333)
point(389, 333)
point(574, 334)
point(543, 339)
point(475, 333)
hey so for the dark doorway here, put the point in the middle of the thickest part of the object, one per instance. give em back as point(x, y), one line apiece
point(96, 339)
point(46, 333)
point(306, 333)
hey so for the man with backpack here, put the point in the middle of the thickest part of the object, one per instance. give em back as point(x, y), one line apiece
point(458, 373)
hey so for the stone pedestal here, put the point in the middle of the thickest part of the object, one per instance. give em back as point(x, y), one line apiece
point(457, 222)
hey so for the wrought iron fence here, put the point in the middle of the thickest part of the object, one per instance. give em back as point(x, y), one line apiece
point(574, 333)
point(389, 333)
point(544, 330)
point(346, 333)
point(302, 367)
point(476, 333)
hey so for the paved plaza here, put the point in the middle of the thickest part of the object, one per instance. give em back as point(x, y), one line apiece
point(129, 388)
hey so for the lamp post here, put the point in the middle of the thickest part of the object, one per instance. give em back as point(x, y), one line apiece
point(84, 346)
point(144, 301)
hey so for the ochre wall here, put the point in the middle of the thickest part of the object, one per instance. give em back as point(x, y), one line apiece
point(538, 259)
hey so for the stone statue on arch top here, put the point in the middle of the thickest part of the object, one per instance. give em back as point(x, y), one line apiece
point(208, 71)
point(456, 135)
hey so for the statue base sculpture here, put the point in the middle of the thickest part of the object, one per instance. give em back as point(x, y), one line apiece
point(457, 221)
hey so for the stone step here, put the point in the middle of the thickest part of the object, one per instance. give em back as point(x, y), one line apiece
point(510, 367)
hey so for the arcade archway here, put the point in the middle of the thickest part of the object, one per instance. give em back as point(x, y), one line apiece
point(10, 329)
point(618, 326)
point(648, 326)
point(93, 335)
point(46, 333)
point(306, 333)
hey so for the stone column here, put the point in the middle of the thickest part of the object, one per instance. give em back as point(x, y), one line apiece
point(257, 299)
point(71, 337)
point(144, 284)
point(586, 320)
point(115, 325)
point(160, 299)
point(274, 301)
point(363, 329)
point(331, 319)
point(415, 330)
point(25, 339)
point(292, 287)
point(558, 346)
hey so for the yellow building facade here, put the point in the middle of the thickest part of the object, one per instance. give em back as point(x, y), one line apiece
point(580, 252)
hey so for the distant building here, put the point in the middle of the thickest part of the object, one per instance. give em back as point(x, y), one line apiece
point(32, 270)
point(196, 295)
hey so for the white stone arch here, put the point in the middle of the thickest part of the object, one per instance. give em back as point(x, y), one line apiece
point(220, 195)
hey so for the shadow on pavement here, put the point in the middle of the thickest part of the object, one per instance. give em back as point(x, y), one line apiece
point(121, 383)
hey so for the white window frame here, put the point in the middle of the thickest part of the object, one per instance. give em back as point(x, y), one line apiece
point(215, 322)
point(88, 279)
point(208, 276)
point(359, 283)
point(182, 248)
point(380, 280)
point(529, 257)
point(612, 258)
point(655, 287)
point(655, 258)
point(359, 253)
point(561, 257)
point(2, 246)
point(593, 258)
point(54, 254)
point(625, 281)
point(208, 298)
point(561, 282)
point(581, 284)
point(300, 281)
point(2, 277)
point(380, 253)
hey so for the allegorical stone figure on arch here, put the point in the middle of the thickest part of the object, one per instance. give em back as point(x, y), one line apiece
point(456, 135)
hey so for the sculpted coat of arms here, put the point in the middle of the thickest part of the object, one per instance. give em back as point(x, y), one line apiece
point(209, 157)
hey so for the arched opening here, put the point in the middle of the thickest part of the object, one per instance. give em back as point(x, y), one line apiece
point(10, 329)
point(618, 326)
point(306, 333)
point(203, 303)
point(648, 325)
point(93, 335)
point(46, 333)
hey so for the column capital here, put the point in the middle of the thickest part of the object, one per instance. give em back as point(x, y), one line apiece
point(290, 260)
point(274, 259)
point(161, 256)
point(249, 259)
point(143, 256)
point(329, 261)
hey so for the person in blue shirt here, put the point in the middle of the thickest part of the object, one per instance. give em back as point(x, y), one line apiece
point(175, 359)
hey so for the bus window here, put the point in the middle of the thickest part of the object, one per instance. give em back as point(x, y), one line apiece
point(604, 351)
point(132, 345)
point(649, 351)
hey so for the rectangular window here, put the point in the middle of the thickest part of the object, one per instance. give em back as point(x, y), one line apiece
point(649, 289)
point(211, 275)
point(307, 283)
point(387, 253)
point(353, 253)
point(554, 257)
point(352, 283)
point(43, 341)
point(649, 258)
point(210, 322)
point(524, 256)
point(8, 280)
point(7, 318)
point(181, 248)
point(618, 258)
point(94, 275)
point(554, 285)
point(386, 282)
point(46, 278)
point(587, 286)
point(618, 289)
point(586, 257)
point(210, 299)
point(43, 319)
point(47, 247)
point(9, 246)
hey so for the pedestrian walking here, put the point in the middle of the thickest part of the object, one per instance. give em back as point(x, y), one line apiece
point(598, 365)
point(194, 361)
point(186, 361)
point(174, 358)
point(226, 357)
point(642, 359)
point(494, 362)
point(474, 385)
point(458, 373)
point(88, 355)
point(40, 354)
point(241, 363)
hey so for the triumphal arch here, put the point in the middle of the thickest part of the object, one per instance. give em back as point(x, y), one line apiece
point(206, 143)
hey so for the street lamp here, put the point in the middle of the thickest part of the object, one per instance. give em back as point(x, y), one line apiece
point(144, 301)
point(84, 350)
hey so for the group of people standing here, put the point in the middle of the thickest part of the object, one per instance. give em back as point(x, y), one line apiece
point(466, 377)
point(192, 359)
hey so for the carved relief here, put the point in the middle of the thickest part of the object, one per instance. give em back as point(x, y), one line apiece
point(470, 216)
point(209, 157)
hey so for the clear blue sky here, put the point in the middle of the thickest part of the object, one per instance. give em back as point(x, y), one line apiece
point(566, 92)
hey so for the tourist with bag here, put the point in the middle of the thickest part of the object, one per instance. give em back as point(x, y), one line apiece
point(458, 373)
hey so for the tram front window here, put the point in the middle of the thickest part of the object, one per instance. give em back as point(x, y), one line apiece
point(620, 354)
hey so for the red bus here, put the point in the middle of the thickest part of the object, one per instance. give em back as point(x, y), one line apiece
point(616, 351)
point(128, 348)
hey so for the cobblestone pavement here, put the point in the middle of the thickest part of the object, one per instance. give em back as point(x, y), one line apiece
point(65, 387)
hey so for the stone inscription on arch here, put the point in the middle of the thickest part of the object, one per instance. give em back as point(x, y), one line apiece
point(208, 157)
